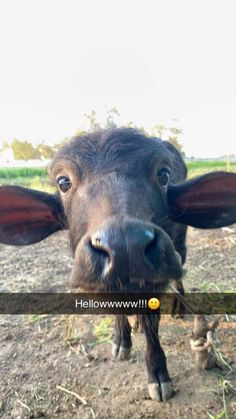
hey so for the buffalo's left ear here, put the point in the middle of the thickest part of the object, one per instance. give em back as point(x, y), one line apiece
point(28, 216)
point(207, 201)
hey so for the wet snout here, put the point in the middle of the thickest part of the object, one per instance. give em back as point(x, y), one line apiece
point(123, 248)
point(125, 252)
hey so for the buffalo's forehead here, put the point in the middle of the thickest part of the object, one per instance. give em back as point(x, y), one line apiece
point(118, 149)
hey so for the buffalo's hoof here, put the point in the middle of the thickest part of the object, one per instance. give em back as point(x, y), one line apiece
point(160, 393)
point(154, 391)
point(166, 391)
point(120, 352)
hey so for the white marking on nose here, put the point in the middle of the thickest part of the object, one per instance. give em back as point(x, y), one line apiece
point(96, 241)
point(149, 234)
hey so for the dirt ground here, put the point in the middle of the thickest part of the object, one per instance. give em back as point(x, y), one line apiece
point(61, 366)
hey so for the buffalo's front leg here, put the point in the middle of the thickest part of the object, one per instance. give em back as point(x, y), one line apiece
point(121, 346)
point(178, 309)
point(159, 382)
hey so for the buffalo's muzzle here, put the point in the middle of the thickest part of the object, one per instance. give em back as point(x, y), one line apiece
point(124, 251)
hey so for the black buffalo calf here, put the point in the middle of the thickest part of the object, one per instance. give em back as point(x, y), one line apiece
point(125, 199)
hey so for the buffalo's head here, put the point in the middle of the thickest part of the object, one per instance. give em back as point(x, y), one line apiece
point(124, 198)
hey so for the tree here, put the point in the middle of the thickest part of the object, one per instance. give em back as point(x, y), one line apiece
point(92, 119)
point(170, 134)
point(45, 151)
point(78, 133)
point(110, 123)
point(110, 119)
point(4, 146)
point(24, 150)
point(173, 138)
point(158, 130)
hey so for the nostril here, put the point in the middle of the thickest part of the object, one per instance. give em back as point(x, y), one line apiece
point(150, 250)
point(96, 245)
point(101, 255)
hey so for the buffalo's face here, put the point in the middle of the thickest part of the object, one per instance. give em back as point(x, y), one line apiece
point(114, 192)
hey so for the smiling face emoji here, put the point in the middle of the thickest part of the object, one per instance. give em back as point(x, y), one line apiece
point(153, 303)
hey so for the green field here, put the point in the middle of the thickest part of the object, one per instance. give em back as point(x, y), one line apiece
point(32, 177)
point(37, 178)
point(22, 172)
point(198, 167)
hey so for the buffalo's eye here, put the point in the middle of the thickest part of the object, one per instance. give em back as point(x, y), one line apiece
point(163, 177)
point(64, 183)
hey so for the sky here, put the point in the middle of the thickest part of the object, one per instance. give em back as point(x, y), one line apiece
point(158, 62)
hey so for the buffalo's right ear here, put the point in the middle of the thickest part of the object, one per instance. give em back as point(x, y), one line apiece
point(28, 216)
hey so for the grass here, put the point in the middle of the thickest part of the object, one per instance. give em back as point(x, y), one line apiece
point(214, 164)
point(41, 183)
point(102, 330)
point(199, 167)
point(227, 393)
point(72, 334)
point(37, 317)
point(22, 172)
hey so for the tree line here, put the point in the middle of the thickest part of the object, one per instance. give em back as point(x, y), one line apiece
point(26, 150)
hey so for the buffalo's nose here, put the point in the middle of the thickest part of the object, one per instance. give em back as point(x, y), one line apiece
point(122, 249)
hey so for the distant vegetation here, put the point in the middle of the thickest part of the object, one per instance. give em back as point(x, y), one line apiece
point(37, 178)
point(210, 164)
point(21, 149)
point(22, 172)
point(198, 167)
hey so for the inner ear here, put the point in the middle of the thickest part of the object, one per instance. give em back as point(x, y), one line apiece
point(28, 216)
point(207, 201)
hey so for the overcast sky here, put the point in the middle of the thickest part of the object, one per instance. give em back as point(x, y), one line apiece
point(154, 60)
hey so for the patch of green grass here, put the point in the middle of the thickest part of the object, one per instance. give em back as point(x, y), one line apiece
point(35, 182)
point(22, 172)
point(72, 335)
point(102, 330)
point(37, 318)
point(201, 164)
point(199, 167)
